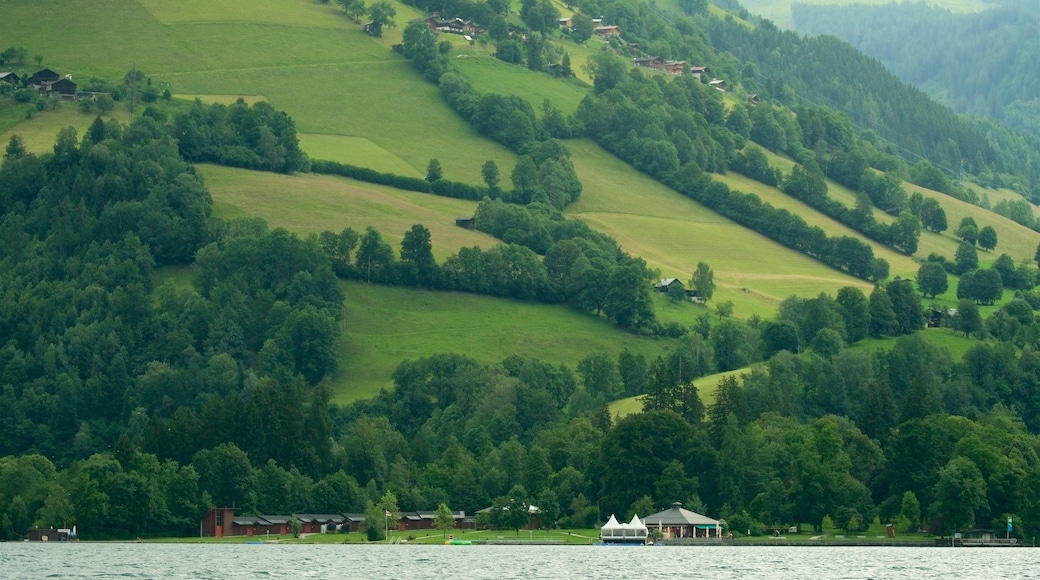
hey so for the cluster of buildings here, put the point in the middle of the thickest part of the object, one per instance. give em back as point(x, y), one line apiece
point(220, 522)
point(674, 523)
point(46, 81)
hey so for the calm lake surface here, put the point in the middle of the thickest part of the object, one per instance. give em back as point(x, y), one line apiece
point(108, 560)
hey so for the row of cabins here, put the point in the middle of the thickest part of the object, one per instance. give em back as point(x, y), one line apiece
point(220, 522)
point(46, 81)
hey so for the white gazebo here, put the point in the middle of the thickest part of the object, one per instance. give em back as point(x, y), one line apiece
point(613, 532)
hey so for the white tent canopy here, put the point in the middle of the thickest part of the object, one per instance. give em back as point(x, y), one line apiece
point(632, 532)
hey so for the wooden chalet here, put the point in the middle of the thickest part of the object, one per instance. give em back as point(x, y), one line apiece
point(676, 67)
point(426, 520)
point(606, 32)
point(43, 76)
point(718, 84)
point(666, 284)
point(654, 62)
point(567, 22)
point(753, 98)
point(10, 77)
point(696, 71)
point(451, 25)
point(63, 87)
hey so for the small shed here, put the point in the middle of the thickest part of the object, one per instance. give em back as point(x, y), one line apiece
point(373, 28)
point(466, 222)
point(10, 77)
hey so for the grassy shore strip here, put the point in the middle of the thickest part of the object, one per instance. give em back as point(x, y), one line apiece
point(420, 537)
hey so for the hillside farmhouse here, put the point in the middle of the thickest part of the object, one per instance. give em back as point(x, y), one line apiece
point(451, 25)
point(606, 32)
point(43, 76)
point(10, 77)
point(676, 67)
point(64, 87)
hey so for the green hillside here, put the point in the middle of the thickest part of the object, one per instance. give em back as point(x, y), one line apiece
point(355, 101)
point(385, 325)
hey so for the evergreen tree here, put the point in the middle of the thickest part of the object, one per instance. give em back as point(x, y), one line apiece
point(882, 317)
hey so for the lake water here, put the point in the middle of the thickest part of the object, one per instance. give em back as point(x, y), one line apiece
point(110, 560)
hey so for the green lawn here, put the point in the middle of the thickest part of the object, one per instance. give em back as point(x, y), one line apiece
point(39, 133)
point(1013, 239)
point(899, 264)
point(490, 75)
point(386, 325)
point(672, 233)
point(309, 203)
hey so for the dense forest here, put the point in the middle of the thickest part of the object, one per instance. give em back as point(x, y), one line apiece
point(128, 407)
point(979, 63)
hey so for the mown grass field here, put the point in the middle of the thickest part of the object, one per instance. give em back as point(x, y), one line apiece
point(386, 325)
point(311, 203)
point(1013, 239)
point(672, 233)
point(305, 58)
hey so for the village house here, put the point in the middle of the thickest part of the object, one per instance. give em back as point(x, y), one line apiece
point(654, 62)
point(43, 76)
point(718, 84)
point(676, 67)
point(605, 32)
point(666, 284)
point(696, 71)
point(451, 25)
point(63, 87)
point(567, 22)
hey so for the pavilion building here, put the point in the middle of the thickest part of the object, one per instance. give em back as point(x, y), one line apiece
point(677, 522)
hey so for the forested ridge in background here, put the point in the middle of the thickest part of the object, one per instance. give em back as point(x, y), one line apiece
point(128, 409)
point(980, 63)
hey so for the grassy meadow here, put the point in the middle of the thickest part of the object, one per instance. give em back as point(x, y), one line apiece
point(310, 203)
point(386, 325)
